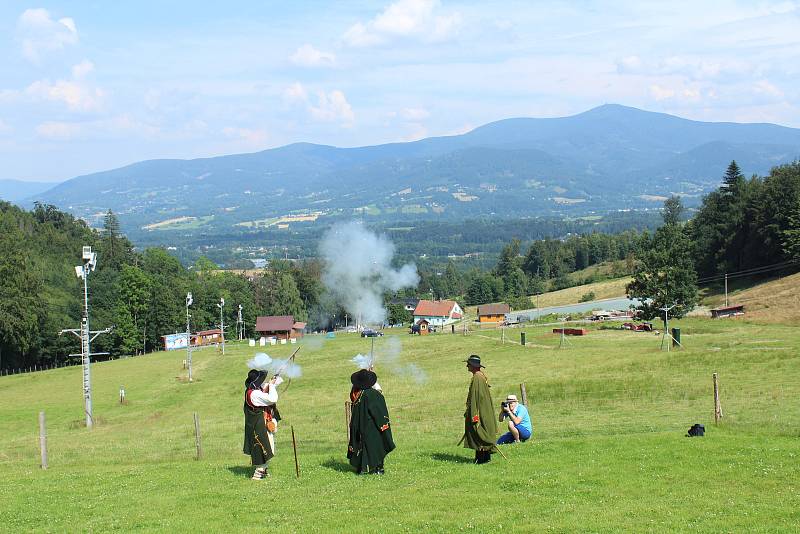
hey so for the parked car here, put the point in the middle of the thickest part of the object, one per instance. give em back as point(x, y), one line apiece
point(369, 332)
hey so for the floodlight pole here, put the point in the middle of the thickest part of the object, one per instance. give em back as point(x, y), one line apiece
point(221, 305)
point(82, 271)
point(189, 301)
point(240, 324)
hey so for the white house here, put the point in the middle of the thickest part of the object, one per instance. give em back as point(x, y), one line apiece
point(438, 312)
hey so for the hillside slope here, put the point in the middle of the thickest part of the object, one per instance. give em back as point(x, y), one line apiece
point(609, 417)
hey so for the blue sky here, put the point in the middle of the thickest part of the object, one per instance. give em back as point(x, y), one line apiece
point(92, 85)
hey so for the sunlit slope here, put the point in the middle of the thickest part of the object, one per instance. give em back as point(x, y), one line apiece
point(609, 415)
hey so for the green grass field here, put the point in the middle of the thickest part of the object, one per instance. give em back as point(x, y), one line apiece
point(608, 454)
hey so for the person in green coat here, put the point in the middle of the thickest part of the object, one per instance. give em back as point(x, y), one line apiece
point(480, 425)
point(261, 418)
point(370, 431)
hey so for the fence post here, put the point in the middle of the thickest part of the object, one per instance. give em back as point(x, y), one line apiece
point(43, 440)
point(524, 394)
point(198, 447)
point(717, 405)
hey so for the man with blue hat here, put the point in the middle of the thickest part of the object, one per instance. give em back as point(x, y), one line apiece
point(480, 425)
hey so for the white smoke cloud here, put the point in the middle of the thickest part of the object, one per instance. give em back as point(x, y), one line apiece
point(362, 361)
point(286, 368)
point(260, 361)
point(358, 270)
point(387, 356)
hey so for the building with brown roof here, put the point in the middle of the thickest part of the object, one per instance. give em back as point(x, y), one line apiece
point(279, 326)
point(493, 313)
point(438, 312)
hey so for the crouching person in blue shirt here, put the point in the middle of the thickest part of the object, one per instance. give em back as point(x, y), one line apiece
point(519, 422)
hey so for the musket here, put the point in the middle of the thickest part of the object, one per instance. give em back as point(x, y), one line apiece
point(286, 365)
point(372, 356)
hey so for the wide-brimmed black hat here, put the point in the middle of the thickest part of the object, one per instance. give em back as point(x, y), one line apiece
point(255, 378)
point(363, 379)
point(475, 361)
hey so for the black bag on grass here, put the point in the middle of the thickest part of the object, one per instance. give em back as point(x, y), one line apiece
point(696, 430)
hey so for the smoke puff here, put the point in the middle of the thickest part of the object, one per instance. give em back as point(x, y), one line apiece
point(292, 370)
point(358, 271)
point(361, 360)
point(261, 362)
point(387, 356)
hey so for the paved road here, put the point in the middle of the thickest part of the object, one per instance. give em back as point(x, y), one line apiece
point(621, 303)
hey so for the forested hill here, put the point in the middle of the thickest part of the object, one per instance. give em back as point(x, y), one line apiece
point(611, 157)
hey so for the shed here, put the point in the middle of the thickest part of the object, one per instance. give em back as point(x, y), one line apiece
point(277, 326)
point(727, 311)
point(493, 313)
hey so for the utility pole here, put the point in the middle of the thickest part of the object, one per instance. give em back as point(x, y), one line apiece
point(221, 305)
point(189, 301)
point(240, 324)
point(666, 310)
point(82, 271)
point(726, 290)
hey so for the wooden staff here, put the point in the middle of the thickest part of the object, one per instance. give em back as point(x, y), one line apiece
point(294, 446)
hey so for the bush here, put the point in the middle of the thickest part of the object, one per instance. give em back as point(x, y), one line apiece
point(588, 297)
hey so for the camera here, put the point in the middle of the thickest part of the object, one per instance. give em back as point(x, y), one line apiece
point(503, 404)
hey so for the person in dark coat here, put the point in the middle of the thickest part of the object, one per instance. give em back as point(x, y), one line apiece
point(260, 420)
point(480, 425)
point(370, 430)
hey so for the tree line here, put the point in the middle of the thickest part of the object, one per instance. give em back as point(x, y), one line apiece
point(745, 223)
point(141, 294)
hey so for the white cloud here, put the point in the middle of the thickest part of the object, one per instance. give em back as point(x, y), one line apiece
point(41, 35)
point(295, 93)
point(77, 96)
point(308, 56)
point(251, 137)
point(82, 69)
point(661, 93)
point(404, 19)
point(329, 107)
point(332, 107)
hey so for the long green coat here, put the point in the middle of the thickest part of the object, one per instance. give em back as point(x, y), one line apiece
point(370, 431)
point(258, 443)
point(480, 424)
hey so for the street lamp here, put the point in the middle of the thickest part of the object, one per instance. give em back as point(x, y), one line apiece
point(221, 305)
point(189, 301)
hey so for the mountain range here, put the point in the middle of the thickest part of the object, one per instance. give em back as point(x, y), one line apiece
point(608, 158)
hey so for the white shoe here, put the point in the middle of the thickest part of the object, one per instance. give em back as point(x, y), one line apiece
point(260, 473)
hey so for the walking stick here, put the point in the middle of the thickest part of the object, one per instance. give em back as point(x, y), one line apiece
point(294, 446)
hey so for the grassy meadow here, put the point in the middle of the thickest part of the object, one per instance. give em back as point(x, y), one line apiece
point(610, 413)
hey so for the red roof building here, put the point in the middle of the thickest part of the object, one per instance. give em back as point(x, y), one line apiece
point(438, 312)
point(279, 326)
